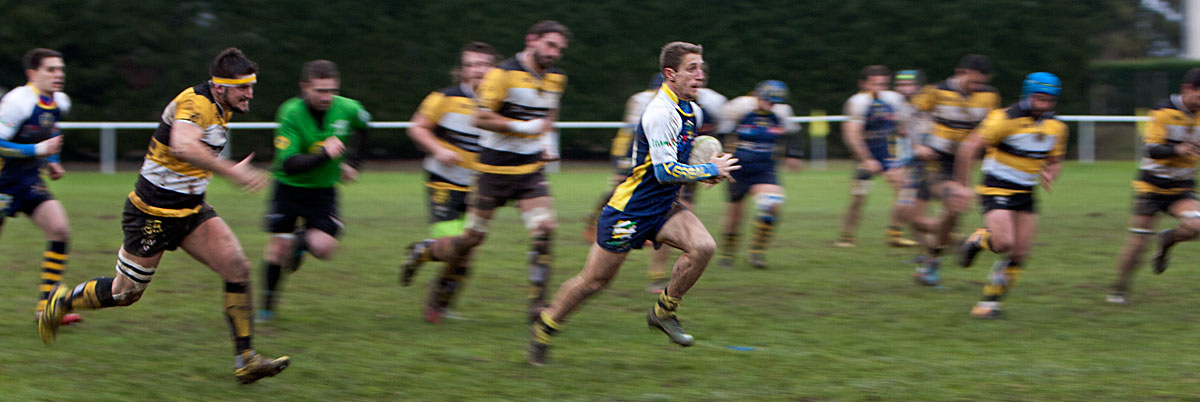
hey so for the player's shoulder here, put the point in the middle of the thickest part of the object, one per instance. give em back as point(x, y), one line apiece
point(1012, 112)
point(860, 97)
point(510, 64)
point(943, 85)
point(453, 90)
point(344, 102)
point(1170, 103)
point(20, 96)
point(892, 97)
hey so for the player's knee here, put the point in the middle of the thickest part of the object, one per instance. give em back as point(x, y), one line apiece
point(58, 233)
point(134, 280)
point(1002, 244)
point(471, 239)
point(768, 205)
point(539, 219)
point(704, 248)
point(322, 251)
point(238, 270)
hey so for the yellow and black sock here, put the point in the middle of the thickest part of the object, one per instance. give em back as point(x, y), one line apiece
point(731, 240)
point(54, 264)
point(985, 239)
point(93, 294)
point(894, 231)
point(656, 276)
point(1002, 279)
point(763, 227)
point(666, 305)
point(273, 275)
point(447, 286)
point(239, 311)
point(544, 328)
point(539, 269)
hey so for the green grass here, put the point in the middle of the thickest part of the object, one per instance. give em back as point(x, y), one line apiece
point(825, 323)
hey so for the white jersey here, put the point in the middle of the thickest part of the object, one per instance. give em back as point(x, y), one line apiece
point(22, 104)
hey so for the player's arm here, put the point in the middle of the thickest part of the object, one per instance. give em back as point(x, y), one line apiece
point(186, 145)
point(290, 150)
point(852, 133)
point(357, 147)
point(990, 132)
point(792, 151)
point(1155, 142)
point(659, 129)
point(1053, 166)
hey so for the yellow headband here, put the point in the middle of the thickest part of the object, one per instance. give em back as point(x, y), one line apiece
point(234, 82)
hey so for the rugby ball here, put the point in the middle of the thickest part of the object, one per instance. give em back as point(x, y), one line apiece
point(703, 148)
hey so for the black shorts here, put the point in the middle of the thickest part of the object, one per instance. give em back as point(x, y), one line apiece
point(318, 207)
point(147, 235)
point(23, 197)
point(1022, 202)
point(941, 168)
point(447, 201)
point(1148, 204)
point(496, 190)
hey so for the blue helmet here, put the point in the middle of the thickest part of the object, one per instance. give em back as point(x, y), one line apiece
point(1041, 83)
point(772, 91)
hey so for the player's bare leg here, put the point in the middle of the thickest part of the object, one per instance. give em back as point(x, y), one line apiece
point(599, 269)
point(539, 217)
point(51, 218)
point(1188, 213)
point(768, 206)
point(731, 225)
point(897, 178)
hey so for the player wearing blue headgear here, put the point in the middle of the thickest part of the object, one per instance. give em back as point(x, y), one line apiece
point(873, 130)
point(1025, 145)
point(760, 125)
point(1166, 183)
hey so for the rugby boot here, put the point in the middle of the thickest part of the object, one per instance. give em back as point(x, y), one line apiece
point(52, 317)
point(1118, 297)
point(986, 310)
point(971, 248)
point(1162, 256)
point(538, 353)
point(758, 260)
point(669, 325)
point(415, 255)
point(928, 273)
point(256, 367)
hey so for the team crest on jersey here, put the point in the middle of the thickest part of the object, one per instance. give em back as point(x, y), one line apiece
point(689, 130)
point(46, 119)
point(624, 230)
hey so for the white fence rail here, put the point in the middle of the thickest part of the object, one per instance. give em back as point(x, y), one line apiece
point(108, 132)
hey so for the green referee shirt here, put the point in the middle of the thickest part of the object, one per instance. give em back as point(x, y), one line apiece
point(300, 133)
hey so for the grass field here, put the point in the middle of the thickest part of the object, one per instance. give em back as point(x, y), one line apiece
point(824, 323)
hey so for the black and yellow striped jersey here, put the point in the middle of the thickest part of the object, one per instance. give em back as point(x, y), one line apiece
point(1019, 145)
point(954, 112)
point(167, 186)
point(515, 92)
point(452, 110)
point(1162, 171)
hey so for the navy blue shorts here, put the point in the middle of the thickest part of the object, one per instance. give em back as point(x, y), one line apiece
point(749, 175)
point(24, 196)
point(619, 232)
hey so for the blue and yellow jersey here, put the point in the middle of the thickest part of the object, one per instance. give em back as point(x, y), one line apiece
point(513, 91)
point(452, 110)
point(663, 143)
point(1162, 171)
point(1018, 147)
point(881, 114)
point(954, 112)
point(27, 117)
point(168, 186)
point(756, 134)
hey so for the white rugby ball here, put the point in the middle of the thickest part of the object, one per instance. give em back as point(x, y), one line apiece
point(703, 148)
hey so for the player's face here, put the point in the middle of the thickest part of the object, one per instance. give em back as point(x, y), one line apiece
point(236, 98)
point(907, 88)
point(1191, 97)
point(975, 80)
point(764, 104)
point(474, 66)
point(689, 77)
point(50, 76)
point(318, 92)
point(547, 49)
point(875, 83)
point(1042, 102)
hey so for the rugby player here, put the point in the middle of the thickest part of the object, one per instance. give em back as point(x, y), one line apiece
point(1166, 183)
point(166, 210)
point(1025, 145)
point(29, 140)
point(645, 206)
point(442, 126)
point(518, 105)
point(956, 106)
point(757, 123)
point(311, 156)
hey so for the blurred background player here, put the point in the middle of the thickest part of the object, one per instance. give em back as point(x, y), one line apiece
point(518, 105)
point(646, 207)
point(756, 122)
point(956, 106)
point(1166, 183)
point(311, 156)
point(913, 199)
point(29, 140)
point(443, 127)
point(166, 210)
point(1025, 145)
point(874, 131)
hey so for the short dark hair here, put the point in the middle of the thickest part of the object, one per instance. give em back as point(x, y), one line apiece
point(1192, 77)
point(478, 47)
point(318, 69)
point(549, 26)
point(33, 58)
point(873, 70)
point(977, 62)
point(232, 63)
point(672, 53)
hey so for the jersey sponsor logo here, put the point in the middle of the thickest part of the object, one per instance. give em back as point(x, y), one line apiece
point(340, 127)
